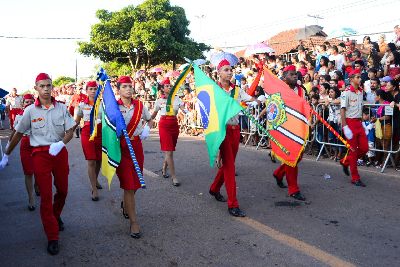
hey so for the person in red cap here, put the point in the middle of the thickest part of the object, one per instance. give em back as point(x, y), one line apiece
point(77, 98)
point(51, 127)
point(135, 115)
point(13, 106)
point(91, 149)
point(168, 129)
point(290, 78)
point(230, 146)
point(351, 102)
point(25, 150)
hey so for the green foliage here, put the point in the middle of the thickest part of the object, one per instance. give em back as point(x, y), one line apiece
point(147, 35)
point(62, 80)
point(114, 68)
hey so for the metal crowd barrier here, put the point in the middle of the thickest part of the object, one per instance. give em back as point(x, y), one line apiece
point(384, 147)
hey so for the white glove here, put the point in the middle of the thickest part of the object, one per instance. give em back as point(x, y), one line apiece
point(3, 161)
point(55, 148)
point(347, 132)
point(145, 133)
point(8, 144)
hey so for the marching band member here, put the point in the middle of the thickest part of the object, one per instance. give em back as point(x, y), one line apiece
point(168, 129)
point(51, 127)
point(91, 149)
point(135, 114)
point(13, 106)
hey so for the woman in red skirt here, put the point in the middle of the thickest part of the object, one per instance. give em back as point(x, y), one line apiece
point(26, 154)
point(91, 149)
point(135, 115)
point(168, 129)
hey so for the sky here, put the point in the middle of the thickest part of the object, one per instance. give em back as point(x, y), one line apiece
point(228, 24)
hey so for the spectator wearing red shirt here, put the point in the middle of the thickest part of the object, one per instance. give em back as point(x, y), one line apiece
point(77, 98)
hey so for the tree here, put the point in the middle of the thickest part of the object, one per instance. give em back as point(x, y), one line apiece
point(63, 80)
point(149, 34)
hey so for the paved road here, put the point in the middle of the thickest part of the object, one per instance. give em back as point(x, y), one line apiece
point(339, 225)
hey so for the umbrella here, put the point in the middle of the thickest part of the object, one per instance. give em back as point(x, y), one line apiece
point(158, 69)
point(3, 93)
point(183, 66)
point(216, 58)
point(259, 48)
point(344, 31)
point(308, 31)
point(172, 73)
point(139, 73)
point(200, 61)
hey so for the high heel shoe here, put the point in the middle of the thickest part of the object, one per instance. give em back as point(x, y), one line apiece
point(94, 198)
point(164, 174)
point(126, 216)
point(31, 208)
point(134, 235)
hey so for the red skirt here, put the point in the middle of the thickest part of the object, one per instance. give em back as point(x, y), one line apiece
point(25, 152)
point(91, 149)
point(168, 130)
point(128, 179)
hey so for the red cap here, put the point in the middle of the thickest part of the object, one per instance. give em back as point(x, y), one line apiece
point(289, 68)
point(165, 81)
point(29, 96)
point(223, 62)
point(42, 76)
point(124, 79)
point(354, 72)
point(91, 84)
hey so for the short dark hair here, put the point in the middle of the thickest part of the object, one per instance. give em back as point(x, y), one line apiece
point(335, 48)
point(376, 80)
point(374, 70)
point(326, 86)
point(359, 62)
point(366, 111)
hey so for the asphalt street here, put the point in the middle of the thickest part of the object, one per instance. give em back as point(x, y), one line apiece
point(338, 225)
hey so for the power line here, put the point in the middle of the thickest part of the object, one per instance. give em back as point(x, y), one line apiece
point(42, 38)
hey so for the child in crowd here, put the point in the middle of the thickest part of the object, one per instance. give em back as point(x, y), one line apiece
point(370, 132)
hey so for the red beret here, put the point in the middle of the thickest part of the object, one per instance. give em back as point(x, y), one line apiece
point(354, 72)
point(289, 68)
point(224, 62)
point(29, 96)
point(91, 84)
point(42, 76)
point(124, 79)
point(165, 81)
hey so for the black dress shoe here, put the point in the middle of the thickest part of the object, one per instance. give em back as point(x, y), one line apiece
point(60, 224)
point(279, 182)
point(236, 212)
point(345, 169)
point(126, 216)
point(98, 186)
point(359, 183)
point(52, 247)
point(218, 196)
point(298, 196)
point(31, 208)
point(136, 235)
point(94, 198)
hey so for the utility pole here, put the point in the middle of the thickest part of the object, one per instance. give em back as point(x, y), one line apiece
point(76, 69)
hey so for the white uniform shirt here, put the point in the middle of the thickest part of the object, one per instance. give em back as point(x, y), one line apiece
point(242, 97)
point(161, 105)
point(17, 120)
point(352, 101)
point(127, 113)
point(14, 102)
point(83, 110)
point(47, 125)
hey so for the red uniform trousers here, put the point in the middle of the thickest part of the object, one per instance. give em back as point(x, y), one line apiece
point(44, 165)
point(168, 129)
point(291, 176)
point(12, 114)
point(226, 173)
point(25, 153)
point(360, 143)
point(128, 178)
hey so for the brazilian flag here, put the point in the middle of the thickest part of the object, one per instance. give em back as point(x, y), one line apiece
point(216, 108)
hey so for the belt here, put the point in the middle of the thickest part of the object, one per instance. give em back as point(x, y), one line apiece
point(354, 119)
point(167, 117)
point(40, 149)
point(232, 127)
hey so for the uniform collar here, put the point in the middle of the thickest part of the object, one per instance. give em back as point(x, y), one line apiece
point(38, 104)
point(122, 103)
point(231, 86)
point(352, 89)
